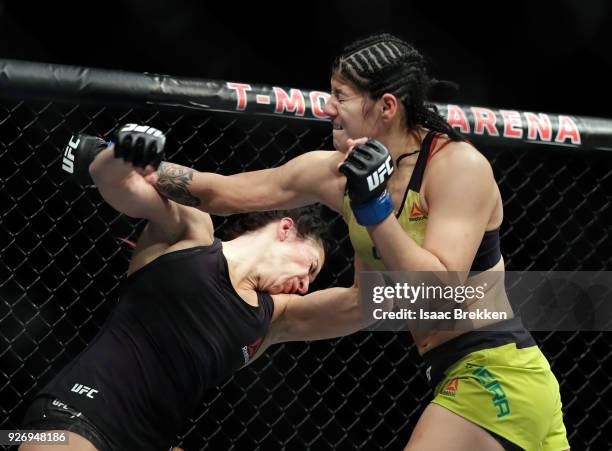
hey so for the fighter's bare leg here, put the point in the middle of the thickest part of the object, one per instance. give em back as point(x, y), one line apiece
point(76, 442)
point(442, 430)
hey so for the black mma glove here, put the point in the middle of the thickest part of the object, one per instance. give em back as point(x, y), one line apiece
point(367, 169)
point(78, 155)
point(140, 145)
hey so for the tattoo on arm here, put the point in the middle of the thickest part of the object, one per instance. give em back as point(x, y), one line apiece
point(173, 182)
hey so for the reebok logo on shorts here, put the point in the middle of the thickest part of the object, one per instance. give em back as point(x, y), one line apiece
point(451, 388)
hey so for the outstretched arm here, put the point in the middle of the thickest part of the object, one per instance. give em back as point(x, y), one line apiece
point(323, 314)
point(320, 315)
point(329, 313)
point(309, 178)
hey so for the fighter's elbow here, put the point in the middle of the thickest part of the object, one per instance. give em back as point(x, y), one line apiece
point(354, 310)
point(97, 172)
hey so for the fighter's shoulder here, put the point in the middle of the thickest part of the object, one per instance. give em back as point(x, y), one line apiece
point(457, 156)
point(198, 224)
point(458, 164)
point(280, 321)
point(280, 305)
point(155, 240)
point(185, 223)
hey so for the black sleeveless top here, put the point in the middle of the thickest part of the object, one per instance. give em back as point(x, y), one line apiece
point(179, 329)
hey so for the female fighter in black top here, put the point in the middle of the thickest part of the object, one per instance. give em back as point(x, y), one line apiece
point(192, 311)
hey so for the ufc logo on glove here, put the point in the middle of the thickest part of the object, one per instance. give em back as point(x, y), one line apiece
point(376, 178)
point(68, 160)
point(367, 169)
point(141, 128)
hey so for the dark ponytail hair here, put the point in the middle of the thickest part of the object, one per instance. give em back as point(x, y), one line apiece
point(307, 220)
point(386, 64)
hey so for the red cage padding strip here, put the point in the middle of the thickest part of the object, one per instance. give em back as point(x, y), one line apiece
point(21, 79)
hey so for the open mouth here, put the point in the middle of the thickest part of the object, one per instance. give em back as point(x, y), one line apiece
point(337, 126)
point(291, 286)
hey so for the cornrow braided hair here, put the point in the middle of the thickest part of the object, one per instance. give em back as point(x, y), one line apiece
point(386, 64)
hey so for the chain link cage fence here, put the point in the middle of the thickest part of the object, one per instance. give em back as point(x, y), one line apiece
point(63, 257)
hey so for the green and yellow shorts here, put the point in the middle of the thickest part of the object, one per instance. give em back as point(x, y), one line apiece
point(503, 383)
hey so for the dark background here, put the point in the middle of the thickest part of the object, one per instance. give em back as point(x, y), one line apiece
point(326, 395)
point(539, 56)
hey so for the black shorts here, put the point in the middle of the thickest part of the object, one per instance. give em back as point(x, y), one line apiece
point(47, 413)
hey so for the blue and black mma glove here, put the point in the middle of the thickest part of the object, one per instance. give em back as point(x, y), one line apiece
point(367, 169)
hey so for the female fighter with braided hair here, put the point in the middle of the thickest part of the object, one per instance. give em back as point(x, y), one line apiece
point(439, 210)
